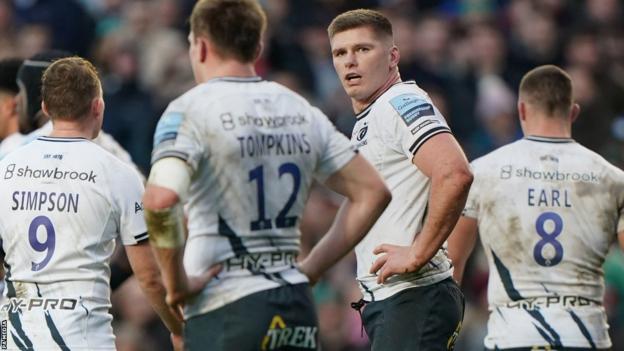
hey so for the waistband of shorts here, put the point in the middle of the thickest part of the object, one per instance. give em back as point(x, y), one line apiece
point(550, 301)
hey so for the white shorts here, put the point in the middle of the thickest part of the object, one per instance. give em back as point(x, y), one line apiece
point(583, 327)
point(52, 324)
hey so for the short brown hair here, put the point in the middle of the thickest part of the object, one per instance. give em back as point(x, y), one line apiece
point(549, 88)
point(360, 18)
point(68, 87)
point(235, 27)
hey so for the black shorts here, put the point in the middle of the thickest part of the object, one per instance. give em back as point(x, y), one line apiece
point(424, 318)
point(283, 318)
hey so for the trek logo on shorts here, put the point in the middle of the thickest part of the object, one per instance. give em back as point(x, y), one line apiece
point(411, 107)
point(279, 335)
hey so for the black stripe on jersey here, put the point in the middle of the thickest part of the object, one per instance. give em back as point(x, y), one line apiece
point(368, 291)
point(172, 153)
point(553, 140)
point(62, 139)
point(54, 332)
point(505, 277)
point(141, 237)
point(583, 329)
point(7, 277)
point(21, 339)
point(19, 343)
point(421, 140)
point(555, 340)
point(235, 241)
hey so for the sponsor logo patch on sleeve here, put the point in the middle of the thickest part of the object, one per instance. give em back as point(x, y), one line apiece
point(168, 126)
point(411, 107)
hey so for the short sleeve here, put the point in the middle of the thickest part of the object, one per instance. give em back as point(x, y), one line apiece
point(418, 120)
point(471, 210)
point(177, 135)
point(128, 194)
point(335, 149)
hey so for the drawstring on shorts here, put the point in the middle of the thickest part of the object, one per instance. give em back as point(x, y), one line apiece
point(358, 307)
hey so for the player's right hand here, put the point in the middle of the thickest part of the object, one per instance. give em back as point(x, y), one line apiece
point(194, 285)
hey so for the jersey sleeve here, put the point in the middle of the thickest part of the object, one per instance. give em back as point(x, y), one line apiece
point(335, 149)
point(471, 210)
point(177, 135)
point(128, 194)
point(416, 120)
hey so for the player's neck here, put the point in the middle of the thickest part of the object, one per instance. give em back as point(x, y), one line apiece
point(227, 68)
point(549, 128)
point(72, 129)
point(360, 105)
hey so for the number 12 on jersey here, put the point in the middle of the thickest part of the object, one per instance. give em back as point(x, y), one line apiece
point(282, 220)
point(548, 238)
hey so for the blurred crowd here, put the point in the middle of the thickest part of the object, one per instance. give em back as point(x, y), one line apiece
point(468, 54)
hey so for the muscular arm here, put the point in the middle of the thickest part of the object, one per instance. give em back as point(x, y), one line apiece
point(367, 197)
point(443, 161)
point(164, 217)
point(461, 242)
point(146, 271)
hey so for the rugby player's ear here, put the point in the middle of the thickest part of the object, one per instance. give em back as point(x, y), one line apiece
point(44, 109)
point(521, 110)
point(204, 47)
point(574, 112)
point(97, 107)
point(259, 49)
point(395, 57)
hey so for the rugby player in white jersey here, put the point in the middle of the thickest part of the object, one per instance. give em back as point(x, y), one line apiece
point(547, 210)
point(411, 301)
point(65, 200)
point(243, 153)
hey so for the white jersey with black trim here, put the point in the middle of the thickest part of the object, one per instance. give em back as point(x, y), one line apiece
point(388, 133)
point(548, 210)
point(65, 201)
point(254, 148)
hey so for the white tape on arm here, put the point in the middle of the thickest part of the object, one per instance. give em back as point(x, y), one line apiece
point(171, 173)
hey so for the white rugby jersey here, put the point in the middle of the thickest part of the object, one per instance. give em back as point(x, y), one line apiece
point(254, 148)
point(388, 133)
point(548, 210)
point(65, 200)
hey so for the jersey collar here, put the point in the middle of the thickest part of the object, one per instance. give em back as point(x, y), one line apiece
point(253, 79)
point(366, 110)
point(62, 139)
point(543, 139)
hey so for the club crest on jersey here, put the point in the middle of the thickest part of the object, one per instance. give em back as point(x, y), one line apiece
point(362, 133)
point(168, 126)
point(411, 107)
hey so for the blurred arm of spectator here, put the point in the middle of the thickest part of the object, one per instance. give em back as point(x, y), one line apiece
point(461, 242)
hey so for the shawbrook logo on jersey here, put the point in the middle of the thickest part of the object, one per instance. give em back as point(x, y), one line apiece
point(508, 171)
point(48, 173)
point(280, 335)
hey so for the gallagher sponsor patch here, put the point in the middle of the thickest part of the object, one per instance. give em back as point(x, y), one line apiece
point(411, 107)
point(168, 126)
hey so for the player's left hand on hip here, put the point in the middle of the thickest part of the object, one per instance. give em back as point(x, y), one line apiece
point(194, 285)
point(397, 260)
